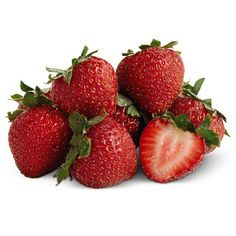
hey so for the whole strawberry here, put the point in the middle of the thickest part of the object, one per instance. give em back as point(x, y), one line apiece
point(89, 86)
point(39, 134)
point(197, 110)
point(128, 116)
point(102, 152)
point(39, 139)
point(152, 77)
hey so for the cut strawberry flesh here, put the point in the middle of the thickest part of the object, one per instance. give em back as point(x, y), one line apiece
point(167, 152)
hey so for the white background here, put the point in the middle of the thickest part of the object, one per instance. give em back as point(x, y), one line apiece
point(34, 34)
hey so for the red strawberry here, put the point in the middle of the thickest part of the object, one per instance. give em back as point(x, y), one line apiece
point(167, 152)
point(89, 86)
point(197, 110)
point(105, 156)
point(39, 138)
point(129, 117)
point(152, 77)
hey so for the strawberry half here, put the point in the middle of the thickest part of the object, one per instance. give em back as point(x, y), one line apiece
point(169, 151)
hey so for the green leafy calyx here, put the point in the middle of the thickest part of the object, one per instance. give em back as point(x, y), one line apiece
point(192, 91)
point(157, 44)
point(128, 53)
point(182, 121)
point(12, 115)
point(154, 44)
point(80, 144)
point(131, 110)
point(67, 74)
point(211, 138)
point(30, 98)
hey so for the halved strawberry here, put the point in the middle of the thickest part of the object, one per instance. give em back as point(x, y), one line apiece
point(167, 152)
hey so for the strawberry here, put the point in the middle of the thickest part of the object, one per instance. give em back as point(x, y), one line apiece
point(102, 152)
point(39, 139)
point(197, 109)
point(39, 134)
point(89, 86)
point(152, 77)
point(129, 117)
point(169, 151)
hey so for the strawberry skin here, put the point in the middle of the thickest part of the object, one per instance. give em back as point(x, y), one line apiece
point(134, 125)
point(193, 108)
point(39, 139)
point(152, 78)
point(168, 153)
point(197, 112)
point(112, 158)
point(91, 91)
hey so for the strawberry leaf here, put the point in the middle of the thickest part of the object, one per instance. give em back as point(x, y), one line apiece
point(167, 115)
point(78, 123)
point(17, 97)
point(132, 111)
point(183, 123)
point(29, 100)
point(64, 171)
point(128, 53)
point(82, 143)
point(210, 137)
point(123, 101)
point(155, 43)
point(24, 87)
point(197, 86)
point(96, 120)
point(54, 70)
point(170, 45)
point(84, 52)
point(38, 91)
point(226, 133)
point(12, 115)
point(84, 146)
point(75, 140)
point(58, 74)
point(206, 123)
point(221, 115)
point(43, 100)
point(208, 102)
point(91, 53)
point(67, 75)
point(144, 46)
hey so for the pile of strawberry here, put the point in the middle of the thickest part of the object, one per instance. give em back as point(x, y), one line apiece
point(88, 124)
